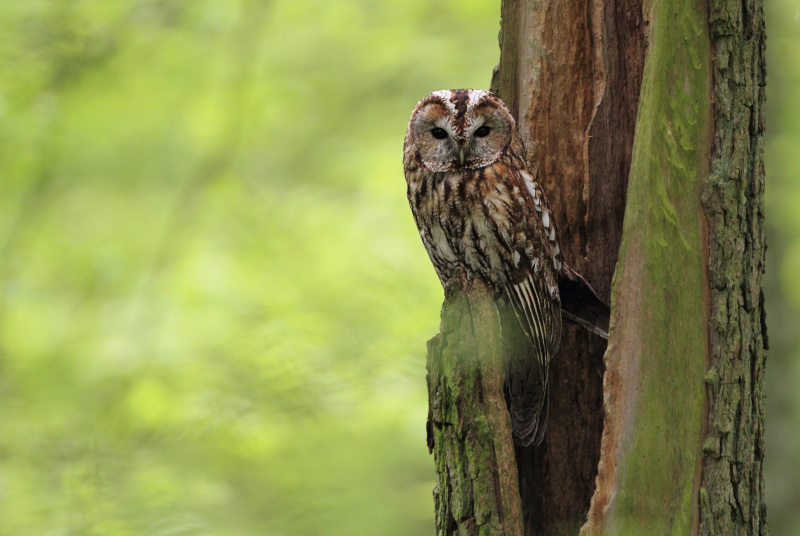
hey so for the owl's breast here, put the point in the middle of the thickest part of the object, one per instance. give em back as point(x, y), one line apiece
point(432, 202)
point(478, 221)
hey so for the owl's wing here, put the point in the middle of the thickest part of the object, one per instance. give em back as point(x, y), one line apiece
point(527, 379)
point(580, 304)
point(536, 311)
point(527, 383)
point(534, 298)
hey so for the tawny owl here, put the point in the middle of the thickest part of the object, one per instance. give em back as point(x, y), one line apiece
point(480, 211)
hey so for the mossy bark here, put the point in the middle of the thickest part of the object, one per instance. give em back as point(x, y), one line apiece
point(469, 428)
point(732, 492)
point(656, 360)
point(683, 437)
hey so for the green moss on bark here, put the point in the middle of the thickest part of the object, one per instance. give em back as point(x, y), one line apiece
point(469, 429)
point(683, 323)
point(661, 278)
point(732, 495)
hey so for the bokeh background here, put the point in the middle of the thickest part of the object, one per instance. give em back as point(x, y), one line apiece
point(214, 302)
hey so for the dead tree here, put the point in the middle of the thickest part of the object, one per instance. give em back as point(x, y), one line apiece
point(643, 120)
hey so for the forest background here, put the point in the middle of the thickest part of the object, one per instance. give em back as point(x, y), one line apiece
point(213, 299)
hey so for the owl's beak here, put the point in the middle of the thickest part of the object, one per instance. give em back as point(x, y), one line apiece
point(461, 156)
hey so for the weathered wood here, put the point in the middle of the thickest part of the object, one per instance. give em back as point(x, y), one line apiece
point(648, 481)
point(571, 74)
point(469, 428)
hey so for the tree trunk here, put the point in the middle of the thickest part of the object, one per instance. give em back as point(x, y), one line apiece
point(647, 112)
point(469, 428)
point(732, 488)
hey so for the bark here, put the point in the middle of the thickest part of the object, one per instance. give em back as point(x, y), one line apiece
point(679, 457)
point(732, 492)
point(469, 428)
point(643, 121)
point(650, 462)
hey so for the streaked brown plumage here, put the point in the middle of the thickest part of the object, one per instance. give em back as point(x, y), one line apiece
point(479, 210)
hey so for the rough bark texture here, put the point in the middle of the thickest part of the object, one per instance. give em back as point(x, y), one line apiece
point(571, 74)
point(469, 429)
point(732, 493)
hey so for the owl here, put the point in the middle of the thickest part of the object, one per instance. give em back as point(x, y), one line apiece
point(480, 211)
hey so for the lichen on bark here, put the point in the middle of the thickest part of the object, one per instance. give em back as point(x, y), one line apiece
point(732, 493)
point(469, 428)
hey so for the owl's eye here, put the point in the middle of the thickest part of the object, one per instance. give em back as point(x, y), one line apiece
point(439, 133)
point(483, 131)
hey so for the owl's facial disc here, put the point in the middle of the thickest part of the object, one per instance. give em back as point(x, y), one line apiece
point(459, 129)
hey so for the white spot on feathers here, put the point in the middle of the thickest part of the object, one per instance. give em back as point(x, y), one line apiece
point(530, 185)
point(445, 95)
point(440, 243)
point(475, 95)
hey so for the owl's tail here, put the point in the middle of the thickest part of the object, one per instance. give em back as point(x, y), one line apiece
point(528, 399)
point(530, 337)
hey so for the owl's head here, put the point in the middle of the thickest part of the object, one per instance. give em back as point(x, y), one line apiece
point(456, 129)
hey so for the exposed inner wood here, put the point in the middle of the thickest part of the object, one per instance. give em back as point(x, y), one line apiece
point(571, 73)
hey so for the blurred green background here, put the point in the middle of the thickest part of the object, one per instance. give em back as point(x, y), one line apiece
point(214, 301)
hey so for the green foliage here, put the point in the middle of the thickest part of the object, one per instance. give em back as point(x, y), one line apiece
point(782, 463)
point(214, 301)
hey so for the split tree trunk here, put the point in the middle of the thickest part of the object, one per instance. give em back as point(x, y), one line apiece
point(647, 112)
